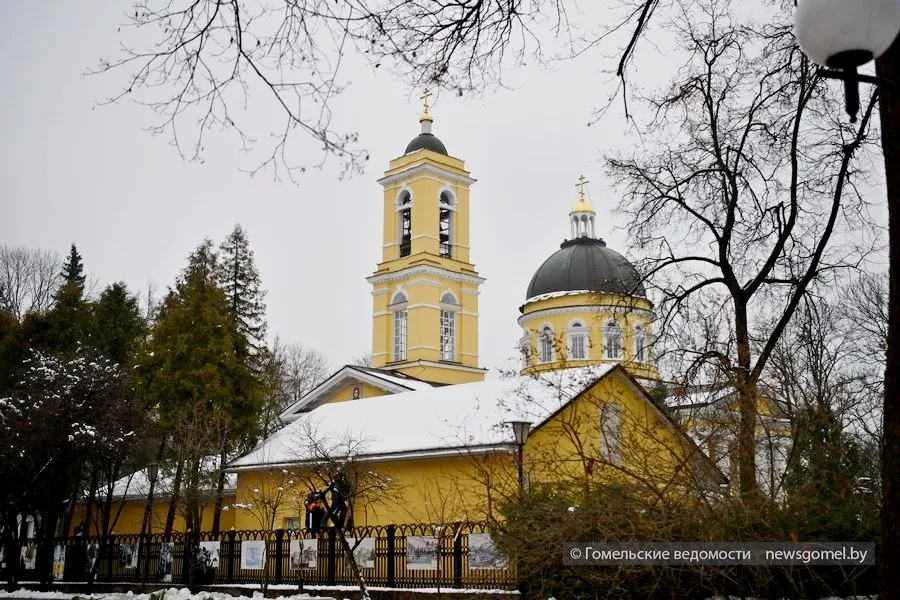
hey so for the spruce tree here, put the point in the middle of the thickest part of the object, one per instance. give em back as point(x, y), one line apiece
point(73, 269)
point(194, 369)
point(117, 324)
point(239, 279)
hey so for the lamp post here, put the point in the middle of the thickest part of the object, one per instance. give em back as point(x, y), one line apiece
point(520, 433)
point(846, 34)
point(152, 474)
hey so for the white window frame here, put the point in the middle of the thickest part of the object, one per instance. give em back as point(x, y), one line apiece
point(526, 349)
point(449, 307)
point(399, 327)
point(612, 330)
point(546, 342)
point(640, 343)
point(577, 331)
point(611, 433)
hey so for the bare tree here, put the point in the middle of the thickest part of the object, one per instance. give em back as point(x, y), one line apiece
point(206, 56)
point(363, 360)
point(333, 468)
point(28, 279)
point(739, 198)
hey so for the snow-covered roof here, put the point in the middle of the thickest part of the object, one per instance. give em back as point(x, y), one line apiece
point(137, 485)
point(423, 422)
point(391, 382)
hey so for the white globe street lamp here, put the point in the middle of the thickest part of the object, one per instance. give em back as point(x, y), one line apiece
point(846, 34)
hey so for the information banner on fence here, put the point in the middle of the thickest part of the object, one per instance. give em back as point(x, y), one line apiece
point(719, 553)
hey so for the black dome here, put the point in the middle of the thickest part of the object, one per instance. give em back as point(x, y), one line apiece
point(426, 141)
point(586, 264)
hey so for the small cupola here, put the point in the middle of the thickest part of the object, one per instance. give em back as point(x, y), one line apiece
point(426, 140)
point(582, 214)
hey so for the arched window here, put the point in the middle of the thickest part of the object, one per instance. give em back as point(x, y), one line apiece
point(445, 228)
point(545, 345)
point(449, 306)
point(404, 223)
point(612, 341)
point(577, 341)
point(398, 306)
point(525, 349)
point(640, 343)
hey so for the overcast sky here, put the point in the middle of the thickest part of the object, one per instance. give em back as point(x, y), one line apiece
point(71, 171)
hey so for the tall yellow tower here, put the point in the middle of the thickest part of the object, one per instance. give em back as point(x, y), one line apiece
point(425, 289)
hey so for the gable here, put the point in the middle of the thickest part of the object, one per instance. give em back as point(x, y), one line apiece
point(340, 387)
point(649, 446)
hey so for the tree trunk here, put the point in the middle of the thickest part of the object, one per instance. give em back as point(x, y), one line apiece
point(746, 388)
point(888, 67)
point(173, 501)
point(12, 548)
point(220, 491)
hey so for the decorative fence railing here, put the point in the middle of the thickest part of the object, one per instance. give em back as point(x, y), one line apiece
point(455, 555)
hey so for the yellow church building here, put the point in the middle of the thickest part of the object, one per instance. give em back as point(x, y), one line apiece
point(426, 434)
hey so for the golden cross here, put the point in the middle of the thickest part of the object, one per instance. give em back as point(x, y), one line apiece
point(580, 186)
point(424, 97)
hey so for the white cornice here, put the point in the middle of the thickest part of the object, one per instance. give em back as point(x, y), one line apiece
point(586, 308)
point(432, 363)
point(425, 168)
point(393, 456)
point(408, 272)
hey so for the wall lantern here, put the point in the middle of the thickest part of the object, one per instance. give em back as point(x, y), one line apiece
point(846, 34)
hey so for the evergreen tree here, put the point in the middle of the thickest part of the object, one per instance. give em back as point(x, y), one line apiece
point(240, 280)
point(202, 262)
point(194, 369)
point(73, 269)
point(116, 324)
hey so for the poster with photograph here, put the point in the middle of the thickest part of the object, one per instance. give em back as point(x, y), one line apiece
point(166, 557)
point(208, 556)
point(59, 562)
point(483, 554)
point(128, 556)
point(303, 554)
point(364, 552)
point(253, 554)
point(421, 552)
point(93, 553)
point(29, 555)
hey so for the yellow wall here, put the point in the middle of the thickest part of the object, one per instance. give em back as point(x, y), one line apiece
point(131, 517)
point(565, 451)
point(366, 391)
point(594, 311)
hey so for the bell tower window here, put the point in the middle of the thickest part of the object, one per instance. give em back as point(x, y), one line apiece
point(445, 229)
point(401, 319)
point(449, 307)
point(404, 225)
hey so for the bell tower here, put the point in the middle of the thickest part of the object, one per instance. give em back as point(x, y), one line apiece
point(425, 289)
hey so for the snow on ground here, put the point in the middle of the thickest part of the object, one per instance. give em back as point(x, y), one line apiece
point(170, 594)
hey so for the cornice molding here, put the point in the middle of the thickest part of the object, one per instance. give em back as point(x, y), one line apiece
point(586, 308)
point(425, 168)
point(408, 272)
